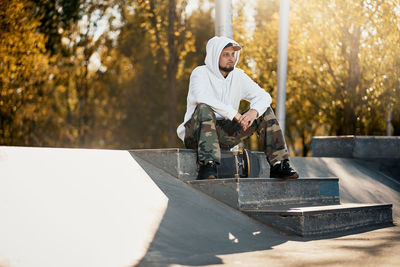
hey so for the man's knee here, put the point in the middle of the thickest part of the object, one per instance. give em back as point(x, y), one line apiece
point(268, 123)
point(204, 112)
point(269, 113)
point(269, 117)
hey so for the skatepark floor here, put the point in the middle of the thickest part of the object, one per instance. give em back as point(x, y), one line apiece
point(209, 233)
point(83, 207)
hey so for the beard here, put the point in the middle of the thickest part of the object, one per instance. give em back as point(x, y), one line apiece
point(226, 69)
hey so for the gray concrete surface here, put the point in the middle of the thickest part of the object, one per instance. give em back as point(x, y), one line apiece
point(196, 228)
point(375, 248)
point(244, 194)
point(79, 207)
point(333, 146)
point(366, 147)
point(305, 206)
point(181, 163)
point(178, 162)
point(250, 193)
point(323, 220)
point(75, 207)
point(199, 231)
point(357, 182)
point(361, 147)
point(389, 167)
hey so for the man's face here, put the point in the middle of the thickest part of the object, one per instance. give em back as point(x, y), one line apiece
point(227, 59)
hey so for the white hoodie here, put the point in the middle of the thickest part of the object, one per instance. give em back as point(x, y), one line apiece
point(207, 85)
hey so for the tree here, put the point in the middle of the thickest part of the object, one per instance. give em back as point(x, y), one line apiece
point(87, 111)
point(342, 66)
point(160, 61)
point(55, 18)
point(115, 74)
point(342, 55)
point(23, 72)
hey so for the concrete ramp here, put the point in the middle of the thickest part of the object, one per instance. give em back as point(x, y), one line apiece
point(277, 202)
point(94, 208)
point(358, 183)
point(75, 207)
point(197, 229)
point(82, 207)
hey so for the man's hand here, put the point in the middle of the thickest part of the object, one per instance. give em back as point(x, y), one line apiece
point(247, 119)
point(237, 117)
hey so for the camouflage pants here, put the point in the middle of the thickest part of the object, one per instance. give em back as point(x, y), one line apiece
point(209, 135)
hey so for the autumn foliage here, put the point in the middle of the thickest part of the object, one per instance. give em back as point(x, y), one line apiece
point(114, 74)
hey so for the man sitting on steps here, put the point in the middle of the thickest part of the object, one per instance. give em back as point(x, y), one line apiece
point(212, 120)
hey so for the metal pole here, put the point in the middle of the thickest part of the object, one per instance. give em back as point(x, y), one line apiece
point(389, 120)
point(224, 27)
point(223, 18)
point(282, 62)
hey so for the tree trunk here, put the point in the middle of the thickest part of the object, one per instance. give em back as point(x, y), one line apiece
point(171, 75)
point(350, 120)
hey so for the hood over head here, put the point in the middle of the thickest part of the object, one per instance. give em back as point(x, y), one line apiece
point(213, 50)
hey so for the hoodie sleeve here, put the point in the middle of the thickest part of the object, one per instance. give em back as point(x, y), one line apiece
point(258, 98)
point(199, 92)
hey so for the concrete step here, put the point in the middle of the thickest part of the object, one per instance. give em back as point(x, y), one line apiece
point(182, 163)
point(260, 193)
point(322, 220)
point(305, 207)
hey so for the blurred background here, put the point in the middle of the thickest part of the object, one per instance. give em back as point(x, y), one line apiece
point(115, 74)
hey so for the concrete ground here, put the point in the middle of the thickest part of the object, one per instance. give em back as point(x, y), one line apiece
point(82, 207)
point(198, 231)
point(374, 248)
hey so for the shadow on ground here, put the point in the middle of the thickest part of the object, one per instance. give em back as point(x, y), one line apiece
point(389, 167)
point(196, 228)
point(359, 181)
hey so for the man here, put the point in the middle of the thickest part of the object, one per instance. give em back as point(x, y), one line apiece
point(212, 120)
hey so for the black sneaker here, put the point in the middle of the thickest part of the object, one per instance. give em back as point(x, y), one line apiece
point(208, 171)
point(283, 170)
